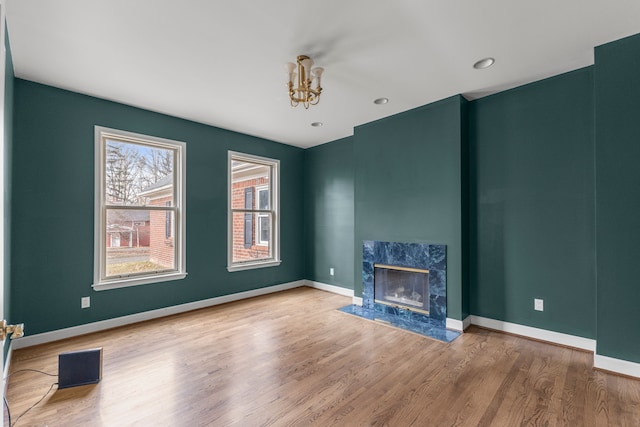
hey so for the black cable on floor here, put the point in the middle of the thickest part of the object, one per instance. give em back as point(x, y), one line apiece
point(30, 370)
point(34, 405)
point(6, 403)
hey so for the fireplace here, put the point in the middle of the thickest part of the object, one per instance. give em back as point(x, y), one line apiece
point(402, 287)
point(405, 286)
point(398, 260)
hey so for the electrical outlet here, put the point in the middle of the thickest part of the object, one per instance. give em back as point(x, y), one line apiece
point(331, 271)
point(538, 304)
point(85, 302)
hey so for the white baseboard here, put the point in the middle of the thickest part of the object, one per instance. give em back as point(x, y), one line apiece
point(74, 331)
point(535, 333)
point(454, 324)
point(466, 322)
point(330, 288)
point(601, 362)
point(458, 325)
point(618, 366)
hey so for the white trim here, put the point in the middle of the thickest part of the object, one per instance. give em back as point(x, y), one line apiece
point(357, 301)
point(330, 288)
point(466, 322)
point(618, 366)
point(88, 328)
point(135, 281)
point(536, 333)
point(458, 325)
point(3, 190)
point(252, 265)
point(454, 324)
point(101, 134)
point(274, 203)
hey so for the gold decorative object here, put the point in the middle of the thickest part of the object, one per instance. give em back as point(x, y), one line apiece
point(16, 331)
point(300, 83)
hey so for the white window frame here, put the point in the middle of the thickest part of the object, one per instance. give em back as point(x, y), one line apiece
point(100, 280)
point(274, 204)
point(258, 235)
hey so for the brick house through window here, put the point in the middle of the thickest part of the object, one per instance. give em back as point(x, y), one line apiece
point(253, 221)
point(161, 223)
point(251, 232)
point(128, 229)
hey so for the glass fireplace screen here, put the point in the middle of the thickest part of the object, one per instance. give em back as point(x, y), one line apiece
point(402, 286)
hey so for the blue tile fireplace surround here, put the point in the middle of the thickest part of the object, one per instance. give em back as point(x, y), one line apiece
point(422, 257)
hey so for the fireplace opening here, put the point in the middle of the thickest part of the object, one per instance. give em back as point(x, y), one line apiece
point(403, 287)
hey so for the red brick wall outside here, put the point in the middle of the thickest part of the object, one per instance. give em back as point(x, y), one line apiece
point(161, 249)
point(240, 253)
point(143, 235)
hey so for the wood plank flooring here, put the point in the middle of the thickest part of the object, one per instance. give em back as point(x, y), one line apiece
point(292, 359)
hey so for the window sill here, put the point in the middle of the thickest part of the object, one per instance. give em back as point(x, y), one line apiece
point(135, 281)
point(252, 265)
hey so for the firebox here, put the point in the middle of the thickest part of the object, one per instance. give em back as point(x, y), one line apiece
point(404, 287)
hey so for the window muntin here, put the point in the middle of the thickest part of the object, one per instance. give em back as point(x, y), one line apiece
point(253, 216)
point(139, 196)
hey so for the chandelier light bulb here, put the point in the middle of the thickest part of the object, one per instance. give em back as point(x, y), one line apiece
point(307, 63)
point(289, 67)
point(317, 72)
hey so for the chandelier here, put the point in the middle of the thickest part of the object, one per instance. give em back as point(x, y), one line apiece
point(300, 83)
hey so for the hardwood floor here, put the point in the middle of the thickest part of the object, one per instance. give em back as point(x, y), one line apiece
point(292, 359)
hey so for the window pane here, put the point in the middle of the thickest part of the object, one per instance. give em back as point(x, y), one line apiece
point(245, 175)
point(264, 199)
point(253, 250)
point(136, 242)
point(137, 174)
point(265, 230)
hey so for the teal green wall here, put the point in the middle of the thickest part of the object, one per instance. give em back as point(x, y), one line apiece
point(408, 186)
point(329, 211)
point(533, 204)
point(52, 210)
point(617, 91)
point(7, 190)
point(533, 190)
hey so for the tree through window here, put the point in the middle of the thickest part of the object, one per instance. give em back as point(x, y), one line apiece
point(138, 196)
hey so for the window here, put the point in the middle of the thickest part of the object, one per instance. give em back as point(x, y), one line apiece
point(139, 209)
point(253, 212)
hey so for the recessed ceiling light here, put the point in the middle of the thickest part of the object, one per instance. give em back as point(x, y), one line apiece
point(381, 101)
point(316, 124)
point(484, 63)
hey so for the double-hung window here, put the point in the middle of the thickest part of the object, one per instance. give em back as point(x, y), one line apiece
point(253, 212)
point(139, 209)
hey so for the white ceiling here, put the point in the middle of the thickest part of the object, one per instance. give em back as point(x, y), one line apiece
point(221, 62)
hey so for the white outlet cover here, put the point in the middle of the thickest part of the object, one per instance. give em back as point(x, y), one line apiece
point(538, 304)
point(331, 271)
point(85, 302)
